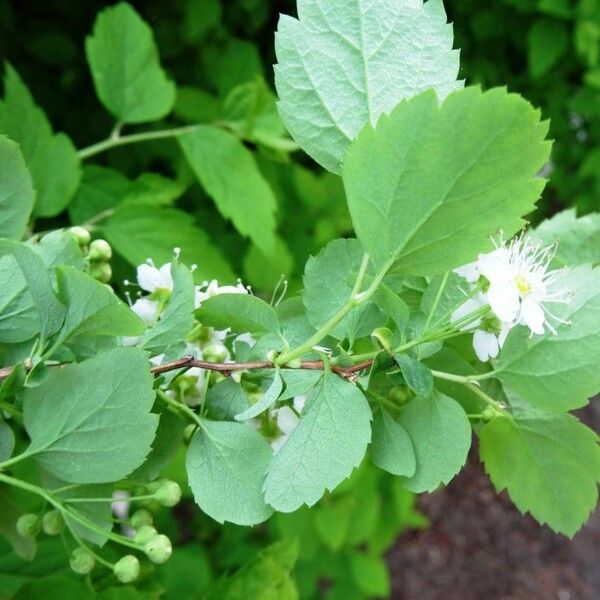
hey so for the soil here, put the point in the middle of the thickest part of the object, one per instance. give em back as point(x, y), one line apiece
point(479, 547)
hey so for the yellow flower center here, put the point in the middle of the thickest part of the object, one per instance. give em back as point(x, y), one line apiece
point(523, 286)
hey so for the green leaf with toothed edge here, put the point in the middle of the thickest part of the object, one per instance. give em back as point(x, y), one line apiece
point(429, 184)
point(441, 435)
point(342, 65)
point(558, 372)
point(549, 464)
point(328, 443)
point(226, 465)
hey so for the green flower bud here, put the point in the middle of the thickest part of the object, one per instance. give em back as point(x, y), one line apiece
point(82, 562)
point(168, 494)
point(214, 353)
point(101, 271)
point(81, 235)
point(158, 549)
point(52, 523)
point(188, 432)
point(140, 518)
point(29, 525)
point(144, 534)
point(489, 414)
point(127, 569)
point(100, 251)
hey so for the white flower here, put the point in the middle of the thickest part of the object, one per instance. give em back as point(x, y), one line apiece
point(287, 420)
point(521, 284)
point(209, 289)
point(147, 310)
point(487, 344)
point(150, 278)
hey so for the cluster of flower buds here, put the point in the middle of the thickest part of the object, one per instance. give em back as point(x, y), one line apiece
point(98, 253)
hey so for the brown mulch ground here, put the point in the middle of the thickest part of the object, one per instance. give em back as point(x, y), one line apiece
point(479, 547)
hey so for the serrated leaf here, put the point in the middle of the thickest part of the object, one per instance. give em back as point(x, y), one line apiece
point(550, 466)
point(92, 309)
point(441, 435)
point(243, 313)
point(392, 449)
point(341, 66)
point(558, 372)
point(91, 422)
point(125, 67)
point(417, 376)
point(226, 399)
point(266, 401)
point(177, 320)
point(298, 382)
point(226, 465)
point(229, 174)
point(430, 183)
point(141, 232)
point(577, 239)
point(51, 158)
point(16, 190)
point(328, 281)
point(328, 443)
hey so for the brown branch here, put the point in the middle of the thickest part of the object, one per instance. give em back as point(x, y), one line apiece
point(227, 368)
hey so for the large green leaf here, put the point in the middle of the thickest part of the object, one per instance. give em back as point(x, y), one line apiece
point(51, 158)
point(92, 309)
point(226, 465)
point(441, 437)
point(559, 372)
point(141, 232)
point(125, 67)
point(329, 442)
point(177, 320)
point(429, 184)
point(16, 190)
point(328, 281)
point(577, 239)
point(229, 174)
point(91, 422)
point(342, 65)
point(243, 313)
point(550, 466)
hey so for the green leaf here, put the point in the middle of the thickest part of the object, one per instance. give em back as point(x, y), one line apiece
point(7, 440)
point(91, 422)
point(266, 401)
point(430, 183)
point(577, 239)
point(392, 449)
point(441, 437)
point(59, 248)
point(141, 232)
point(177, 320)
point(226, 465)
point(329, 279)
point(243, 313)
point(547, 41)
point(298, 382)
point(370, 573)
point(16, 190)
point(332, 522)
point(550, 466)
point(226, 399)
point(329, 442)
point(341, 68)
point(125, 67)
point(558, 372)
point(37, 280)
point(452, 295)
point(92, 309)
point(417, 376)
point(51, 158)
point(229, 174)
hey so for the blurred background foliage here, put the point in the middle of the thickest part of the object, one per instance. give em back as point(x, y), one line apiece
point(220, 54)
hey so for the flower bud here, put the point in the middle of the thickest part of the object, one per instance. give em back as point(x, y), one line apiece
point(81, 235)
point(168, 494)
point(100, 251)
point(52, 523)
point(144, 534)
point(189, 431)
point(82, 562)
point(158, 549)
point(101, 271)
point(28, 525)
point(489, 414)
point(127, 569)
point(140, 518)
point(214, 353)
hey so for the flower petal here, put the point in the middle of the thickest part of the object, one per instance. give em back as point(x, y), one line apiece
point(485, 345)
point(147, 310)
point(470, 305)
point(495, 266)
point(533, 316)
point(504, 301)
point(148, 277)
point(470, 272)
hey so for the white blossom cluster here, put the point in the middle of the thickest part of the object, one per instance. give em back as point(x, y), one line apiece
point(515, 281)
